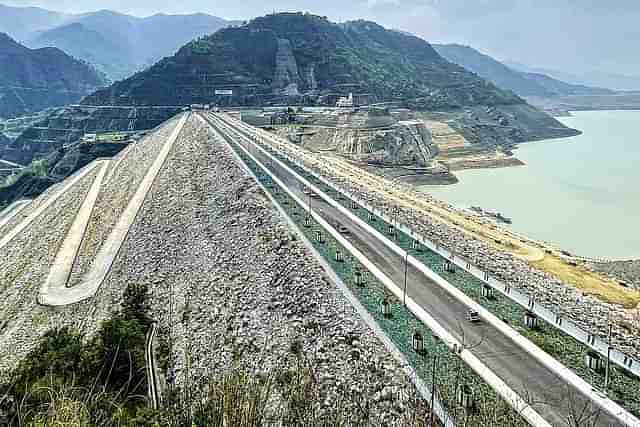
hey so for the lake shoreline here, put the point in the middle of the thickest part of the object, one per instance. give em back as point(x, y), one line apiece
point(567, 186)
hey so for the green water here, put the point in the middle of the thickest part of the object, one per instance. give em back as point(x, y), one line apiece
point(580, 193)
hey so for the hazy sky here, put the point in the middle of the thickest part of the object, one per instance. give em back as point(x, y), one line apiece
point(573, 35)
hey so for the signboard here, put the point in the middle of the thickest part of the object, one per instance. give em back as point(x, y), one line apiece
point(227, 92)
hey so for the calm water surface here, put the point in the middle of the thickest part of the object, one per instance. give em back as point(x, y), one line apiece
point(581, 193)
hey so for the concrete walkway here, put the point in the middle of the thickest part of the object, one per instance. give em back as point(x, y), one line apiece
point(65, 258)
point(44, 206)
point(11, 211)
point(57, 294)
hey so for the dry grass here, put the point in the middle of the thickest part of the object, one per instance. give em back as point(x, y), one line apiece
point(589, 282)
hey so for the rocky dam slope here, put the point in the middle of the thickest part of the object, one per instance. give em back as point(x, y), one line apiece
point(228, 278)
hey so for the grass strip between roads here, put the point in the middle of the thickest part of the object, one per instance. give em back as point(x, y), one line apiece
point(450, 371)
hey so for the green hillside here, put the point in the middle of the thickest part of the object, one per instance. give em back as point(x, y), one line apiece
point(300, 57)
point(34, 79)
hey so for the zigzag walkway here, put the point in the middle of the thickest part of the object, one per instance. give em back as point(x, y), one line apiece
point(11, 211)
point(7, 238)
point(54, 292)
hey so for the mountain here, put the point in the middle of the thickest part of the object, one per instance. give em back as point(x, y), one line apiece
point(613, 81)
point(23, 22)
point(523, 83)
point(35, 79)
point(488, 68)
point(560, 88)
point(290, 55)
point(115, 43)
point(4, 140)
point(92, 46)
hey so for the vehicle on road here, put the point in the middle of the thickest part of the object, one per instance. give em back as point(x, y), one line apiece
point(341, 228)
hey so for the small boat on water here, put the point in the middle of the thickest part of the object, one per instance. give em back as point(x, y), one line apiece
point(491, 214)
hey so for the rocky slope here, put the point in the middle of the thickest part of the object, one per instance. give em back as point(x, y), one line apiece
point(32, 80)
point(228, 281)
point(280, 56)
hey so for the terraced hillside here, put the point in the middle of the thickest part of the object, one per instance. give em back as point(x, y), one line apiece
point(67, 125)
point(228, 279)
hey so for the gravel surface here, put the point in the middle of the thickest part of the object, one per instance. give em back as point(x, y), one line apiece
point(227, 278)
point(31, 207)
point(25, 265)
point(624, 271)
point(588, 312)
point(117, 189)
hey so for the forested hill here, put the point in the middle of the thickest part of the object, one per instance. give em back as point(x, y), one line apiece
point(292, 55)
point(35, 79)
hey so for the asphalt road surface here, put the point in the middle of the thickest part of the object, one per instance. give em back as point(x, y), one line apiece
point(521, 371)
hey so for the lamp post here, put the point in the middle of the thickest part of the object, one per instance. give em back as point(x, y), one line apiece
point(386, 307)
point(608, 365)
point(433, 385)
point(395, 219)
point(417, 342)
point(406, 266)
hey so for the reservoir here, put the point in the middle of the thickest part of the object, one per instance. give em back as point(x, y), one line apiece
point(580, 193)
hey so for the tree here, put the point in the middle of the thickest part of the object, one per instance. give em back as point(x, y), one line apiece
point(135, 305)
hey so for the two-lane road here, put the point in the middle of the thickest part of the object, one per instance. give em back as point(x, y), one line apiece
point(554, 399)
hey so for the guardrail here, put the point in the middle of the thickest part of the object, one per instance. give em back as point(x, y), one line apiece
point(548, 361)
point(152, 380)
point(528, 302)
point(509, 395)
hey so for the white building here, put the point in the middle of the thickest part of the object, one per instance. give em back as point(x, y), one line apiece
point(345, 102)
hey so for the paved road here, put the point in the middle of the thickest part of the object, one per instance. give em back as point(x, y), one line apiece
point(514, 366)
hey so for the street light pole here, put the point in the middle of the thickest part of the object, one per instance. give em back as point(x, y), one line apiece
point(606, 374)
point(406, 266)
point(433, 389)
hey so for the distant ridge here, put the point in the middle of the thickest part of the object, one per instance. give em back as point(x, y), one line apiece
point(116, 44)
point(522, 83)
point(34, 79)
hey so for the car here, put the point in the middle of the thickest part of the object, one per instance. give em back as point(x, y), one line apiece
point(473, 316)
point(342, 229)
